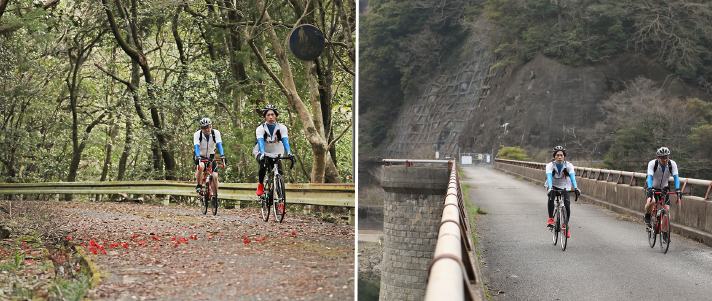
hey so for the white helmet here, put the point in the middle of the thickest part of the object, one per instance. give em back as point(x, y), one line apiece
point(663, 151)
point(205, 122)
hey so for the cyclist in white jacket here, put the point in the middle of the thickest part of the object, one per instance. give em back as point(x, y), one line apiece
point(561, 175)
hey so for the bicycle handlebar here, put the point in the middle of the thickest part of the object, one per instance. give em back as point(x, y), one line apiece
point(204, 159)
point(677, 199)
point(564, 190)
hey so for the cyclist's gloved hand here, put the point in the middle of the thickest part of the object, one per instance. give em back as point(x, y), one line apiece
point(262, 157)
point(197, 160)
point(549, 190)
point(290, 156)
point(224, 159)
point(577, 191)
point(679, 195)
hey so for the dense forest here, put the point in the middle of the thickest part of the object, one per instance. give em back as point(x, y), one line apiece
point(113, 90)
point(675, 34)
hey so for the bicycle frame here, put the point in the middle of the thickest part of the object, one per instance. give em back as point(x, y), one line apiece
point(267, 199)
point(656, 220)
point(209, 192)
point(560, 207)
point(658, 200)
point(208, 170)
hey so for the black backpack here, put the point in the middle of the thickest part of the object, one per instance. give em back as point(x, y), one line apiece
point(658, 163)
point(212, 133)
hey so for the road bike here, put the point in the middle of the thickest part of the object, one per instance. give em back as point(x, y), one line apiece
point(209, 195)
point(274, 193)
point(660, 221)
point(561, 218)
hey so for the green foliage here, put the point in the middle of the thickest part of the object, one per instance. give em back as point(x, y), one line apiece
point(512, 153)
point(40, 48)
point(586, 32)
point(702, 131)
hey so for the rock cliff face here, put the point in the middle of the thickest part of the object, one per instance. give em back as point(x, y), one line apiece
point(532, 105)
point(434, 120)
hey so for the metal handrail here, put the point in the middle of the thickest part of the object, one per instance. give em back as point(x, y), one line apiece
point(451, 271)
point(609, 174)
point(311, 194)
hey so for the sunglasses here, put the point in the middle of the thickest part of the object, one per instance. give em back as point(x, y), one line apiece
point(204, 127)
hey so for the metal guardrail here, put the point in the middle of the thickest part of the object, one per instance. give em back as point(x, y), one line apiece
point(451, 272)
point(619, 177)
point(311, 194)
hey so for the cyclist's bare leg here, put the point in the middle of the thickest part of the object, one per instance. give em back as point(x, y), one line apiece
point(215, 183)
point(649, 205)
point(199, 173)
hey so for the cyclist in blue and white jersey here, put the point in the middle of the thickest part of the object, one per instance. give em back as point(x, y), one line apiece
point(659, 171)
point(561, 175)
point(272, 140)
point(205, 141)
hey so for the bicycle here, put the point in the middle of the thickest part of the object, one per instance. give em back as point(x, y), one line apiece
point(561, 218)
point(274, 186)
point(207, 199)
point(660, 221)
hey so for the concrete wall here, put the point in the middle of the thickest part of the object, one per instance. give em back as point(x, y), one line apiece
point(691, 217)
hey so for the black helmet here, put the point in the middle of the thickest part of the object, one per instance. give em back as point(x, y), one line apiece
point(557, 149)
point(663, 151)
point(267, 108)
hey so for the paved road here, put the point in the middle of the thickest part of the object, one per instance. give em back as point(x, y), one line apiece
point(607, 258)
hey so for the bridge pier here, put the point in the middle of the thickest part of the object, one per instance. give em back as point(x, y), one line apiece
point(411, 215)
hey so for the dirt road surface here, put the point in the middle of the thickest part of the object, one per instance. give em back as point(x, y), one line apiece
point(149, 252)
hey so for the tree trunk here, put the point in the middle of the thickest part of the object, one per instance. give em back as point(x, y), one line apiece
point(125, 152)
point(135, 52)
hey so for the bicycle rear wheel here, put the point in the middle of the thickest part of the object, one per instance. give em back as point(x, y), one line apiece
point(664, 231)
point(651, 230)
point(266, 200)
point(280, 201)
point(555, 227)
point(564, 226)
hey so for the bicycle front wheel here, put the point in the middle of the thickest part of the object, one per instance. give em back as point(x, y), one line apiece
point(204, 199)
point(664, 231)
point(564, 226)
point(266, 201)
point(280, 200)
point(651, 231)
point(555, 227)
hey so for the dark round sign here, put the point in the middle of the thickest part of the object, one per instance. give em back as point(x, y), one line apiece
point(306, 42)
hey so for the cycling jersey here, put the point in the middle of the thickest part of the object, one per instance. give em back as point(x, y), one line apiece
point(659, 178)
point(272, 143)
point(206, 146)
point(557, 177)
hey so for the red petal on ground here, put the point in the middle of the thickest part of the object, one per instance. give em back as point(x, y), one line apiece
point(294, 233)
point(133, 236)
point(156, 238)
point(210, 237)
point(103, 251)
point(69, 238)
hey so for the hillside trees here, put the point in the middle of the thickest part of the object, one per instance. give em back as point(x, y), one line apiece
point(675, 33)
point(644, 118)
